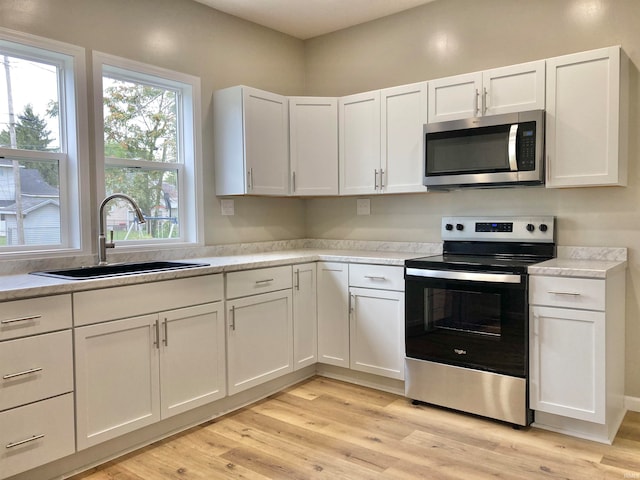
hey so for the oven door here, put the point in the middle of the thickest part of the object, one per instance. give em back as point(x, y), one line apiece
point(468, 319)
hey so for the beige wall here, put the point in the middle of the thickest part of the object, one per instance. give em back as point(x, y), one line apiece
point(188, 37)
point(448, 37)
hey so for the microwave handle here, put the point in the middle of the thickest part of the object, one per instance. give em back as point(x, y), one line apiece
point(513, 135)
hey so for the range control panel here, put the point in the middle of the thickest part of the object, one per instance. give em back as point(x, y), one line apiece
point(539, 229)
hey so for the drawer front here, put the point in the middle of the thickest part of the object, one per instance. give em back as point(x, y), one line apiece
point(262, 280)
point(384, 277)
point(35, 368)
point(36, 434)
point(21, 318)
point(96, 306)
point(582, 293)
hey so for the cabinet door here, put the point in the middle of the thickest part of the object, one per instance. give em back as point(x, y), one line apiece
point(516, 88)
point(117, 384)
point(305, 316)
point(192, 357)
point(333, 313)
point(359, 143)
point(260, 339)
point(568, 363)
point(313, 145)
point(377, 332)
point(266, 142)
point(583, 120)
point(453, 98)
point(403, 114)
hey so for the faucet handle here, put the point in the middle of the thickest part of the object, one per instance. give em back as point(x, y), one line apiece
point(110, 236)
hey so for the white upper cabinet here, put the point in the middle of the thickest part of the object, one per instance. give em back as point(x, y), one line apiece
point(586, 124)
point(403, 115)
point(381, 140)
point(515, 88)
point(359, 142)
point(313, 145)
point(251, 130)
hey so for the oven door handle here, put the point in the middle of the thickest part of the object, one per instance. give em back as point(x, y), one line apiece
point(465, 276)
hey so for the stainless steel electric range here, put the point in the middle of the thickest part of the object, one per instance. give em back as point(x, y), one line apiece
point(467, 316)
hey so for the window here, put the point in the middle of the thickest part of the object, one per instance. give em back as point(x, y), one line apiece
point(148, 121)
point(42, 136)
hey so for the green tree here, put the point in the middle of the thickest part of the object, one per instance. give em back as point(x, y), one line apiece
point(139, 123)
point(32, 134)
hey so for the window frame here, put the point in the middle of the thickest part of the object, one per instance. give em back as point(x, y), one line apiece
point(189, 145)
point(73, 173)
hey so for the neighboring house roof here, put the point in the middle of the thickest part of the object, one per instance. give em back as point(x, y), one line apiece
point(36, 193)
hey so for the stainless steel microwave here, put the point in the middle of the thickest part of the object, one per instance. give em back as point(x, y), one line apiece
point(492, 151)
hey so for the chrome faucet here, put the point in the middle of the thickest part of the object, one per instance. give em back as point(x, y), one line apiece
point(102, 241)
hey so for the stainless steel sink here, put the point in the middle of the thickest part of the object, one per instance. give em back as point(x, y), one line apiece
point(117, 269)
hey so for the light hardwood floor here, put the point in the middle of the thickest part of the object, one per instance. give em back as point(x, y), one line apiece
point(327, 429)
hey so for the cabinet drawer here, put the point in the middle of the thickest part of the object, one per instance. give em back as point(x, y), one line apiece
point(36, 434)
point(384, 277)
point(132, 300)
point(20, 318)
point(34, 368)
point(583, 293)
point(263, 280)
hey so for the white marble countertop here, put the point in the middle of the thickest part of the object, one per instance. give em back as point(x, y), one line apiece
point(577, 267)
point(14, 287)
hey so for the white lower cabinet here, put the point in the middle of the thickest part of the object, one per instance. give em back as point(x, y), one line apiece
point(133, 372)
point(377, 320)
point(305, 316)
point(576, 359)
point(333, 313)
point(259, 339)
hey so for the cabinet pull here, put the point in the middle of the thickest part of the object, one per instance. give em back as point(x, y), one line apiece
point(293, 181)
point(156, 342)
point(375, 179)
point(375, 277)
point(20, 374)
point(166, 332)
point(21, 319)
point(332, 270)
point(485, 101)
point(232, 314)
point(381, 179)
point(476, 100)
point(352, 301)
point(572, 294)
point(26, 440)
point(267, 280)
point(297, 284)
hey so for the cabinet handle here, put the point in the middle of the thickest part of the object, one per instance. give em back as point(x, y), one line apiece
point(267, 280)
point(293, 180)
point(375, 179)
point(374, 277)
point(485, 101)
point(297, 284)
point(21, 319)
point(352, 301)
point(476, 101)
point(232, 314)
point(166, 332)
point(332, 270)
point(250, 179)
point(381, 179)
point(27, 440)
point(572, 294)
point(156, 342)
point(20, 374)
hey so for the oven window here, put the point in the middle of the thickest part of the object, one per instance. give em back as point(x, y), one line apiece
point(463, 311)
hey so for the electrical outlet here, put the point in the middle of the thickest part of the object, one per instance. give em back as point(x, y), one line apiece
point(227, 207)
point(363, 206)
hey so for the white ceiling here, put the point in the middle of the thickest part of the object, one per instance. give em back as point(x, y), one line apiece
point(309, 18)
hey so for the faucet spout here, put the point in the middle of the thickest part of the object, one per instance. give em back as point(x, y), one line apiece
point(102, 242)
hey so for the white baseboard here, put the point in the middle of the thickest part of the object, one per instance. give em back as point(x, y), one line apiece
point(632, 403)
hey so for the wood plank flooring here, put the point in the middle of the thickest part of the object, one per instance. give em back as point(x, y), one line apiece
point(327, 429)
